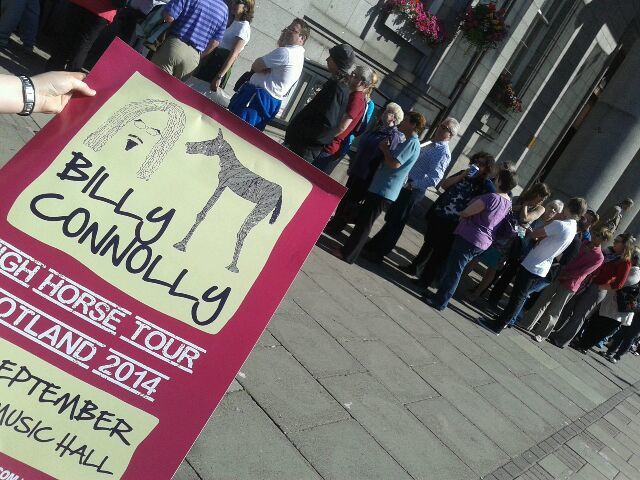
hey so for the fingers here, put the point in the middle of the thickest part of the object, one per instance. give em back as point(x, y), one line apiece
point(78, 84)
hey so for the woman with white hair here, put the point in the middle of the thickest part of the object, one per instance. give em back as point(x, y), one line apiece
point(365, 164)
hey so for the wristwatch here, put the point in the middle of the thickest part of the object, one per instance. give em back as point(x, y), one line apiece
point(28, 95)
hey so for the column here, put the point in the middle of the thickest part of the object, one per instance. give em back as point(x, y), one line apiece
point(607, 141)
point(628, 186)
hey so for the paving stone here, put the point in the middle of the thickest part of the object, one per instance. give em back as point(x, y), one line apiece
point(527, 395)
point(312, 346)
point(599, 432)
point(241, 441)
point(568, 390)
point(266, 339)
point(459, 434)
point(540, 473)
point(593, 395)
point(478, 410)
point(620, 463)
point(409, 442)
point(405, 384)
point(234, 387)
point(288, 306)
point(592, 457)
point(555, 467)
point(403, 316)
point(393, 336)
point(515, 410)
point(186, 472)
point(589, 472)
point(287, 392)
point(619, 421)
point(344, 450)
point(634, 461)
point(570, 458)
point(345, 294)
point(451, 356)
point(556, 398)
point(514, 364)
point(628, 409)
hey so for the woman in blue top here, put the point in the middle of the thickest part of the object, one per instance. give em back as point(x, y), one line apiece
point(386, 183)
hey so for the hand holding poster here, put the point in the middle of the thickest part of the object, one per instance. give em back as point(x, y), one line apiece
point(146, 238)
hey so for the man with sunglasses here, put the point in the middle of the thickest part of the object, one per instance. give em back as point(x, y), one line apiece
point(427, 172)
point(273, 78)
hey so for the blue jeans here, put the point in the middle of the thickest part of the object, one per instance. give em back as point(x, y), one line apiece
point(522, 285)
point(462, 252)
point(538, 286)
point(26, 13)
point(396, 218)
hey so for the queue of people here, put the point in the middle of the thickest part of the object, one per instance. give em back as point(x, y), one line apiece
point(567, 285)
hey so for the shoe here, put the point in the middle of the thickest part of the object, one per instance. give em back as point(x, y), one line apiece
point(612, 359)
point(408, 269)
point(429, 300)
point(539, 338)
point(490, 325)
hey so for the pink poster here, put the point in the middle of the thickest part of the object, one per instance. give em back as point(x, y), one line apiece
point(146, 238)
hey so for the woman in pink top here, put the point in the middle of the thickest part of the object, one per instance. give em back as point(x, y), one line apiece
point(83, 23)
point(543, 316)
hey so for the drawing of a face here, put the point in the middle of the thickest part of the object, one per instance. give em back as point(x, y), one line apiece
point(142, 131)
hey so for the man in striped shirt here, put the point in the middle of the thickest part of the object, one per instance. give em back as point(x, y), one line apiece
point(427, 172)
point(197, 26)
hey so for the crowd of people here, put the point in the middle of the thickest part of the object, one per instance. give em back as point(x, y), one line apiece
point(569, 284)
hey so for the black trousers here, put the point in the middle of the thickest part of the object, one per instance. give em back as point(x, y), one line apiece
point(356, 192)
point(81, 30)
point(433, 254)
point(624, 338)
point(598, 328)
point(373, 206)
point(508, 272)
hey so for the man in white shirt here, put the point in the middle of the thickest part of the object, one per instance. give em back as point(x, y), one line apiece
point(274, 76)
point(553, 239)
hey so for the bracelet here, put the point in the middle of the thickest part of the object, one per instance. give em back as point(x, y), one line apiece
point(28, 95)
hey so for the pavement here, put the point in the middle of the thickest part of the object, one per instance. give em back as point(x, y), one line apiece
point(356, 378)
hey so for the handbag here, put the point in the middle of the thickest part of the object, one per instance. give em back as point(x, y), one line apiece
point(506, 229)
point(627, 298)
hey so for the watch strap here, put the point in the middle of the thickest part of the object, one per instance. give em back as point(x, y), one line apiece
point(28, 95)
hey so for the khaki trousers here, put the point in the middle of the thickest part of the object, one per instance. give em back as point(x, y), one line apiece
point(176, 58)
point(544, 314)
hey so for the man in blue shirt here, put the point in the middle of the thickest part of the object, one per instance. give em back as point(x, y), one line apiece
point(386, 183)
point(197, 26)
point(427, 172)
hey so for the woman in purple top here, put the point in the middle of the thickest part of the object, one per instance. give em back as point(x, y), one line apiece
point(473, 235)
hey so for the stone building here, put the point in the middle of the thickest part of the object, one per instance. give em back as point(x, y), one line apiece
point(573, 64)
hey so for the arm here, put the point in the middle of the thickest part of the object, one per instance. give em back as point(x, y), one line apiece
point(452, 180)
point(53, 91)
point(259, 66)
point(473, 208)
point(537, 234)
point(345, 121)
point(233, 55)
point(213, 44)
point(388, 158)
point(528, 215)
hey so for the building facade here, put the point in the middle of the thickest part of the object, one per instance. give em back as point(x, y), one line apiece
point(572, 63)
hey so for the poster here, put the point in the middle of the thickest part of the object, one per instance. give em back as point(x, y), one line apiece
point(146, 238)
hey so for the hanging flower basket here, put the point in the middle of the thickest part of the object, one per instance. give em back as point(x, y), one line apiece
point(483, 25)
point(426, 25)
point(504, 95)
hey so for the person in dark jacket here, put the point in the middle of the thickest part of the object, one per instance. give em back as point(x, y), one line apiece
point(317, 123)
